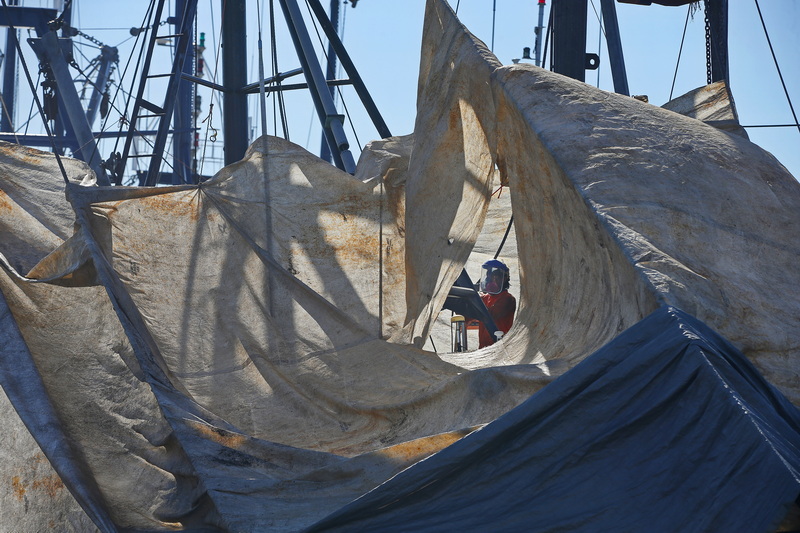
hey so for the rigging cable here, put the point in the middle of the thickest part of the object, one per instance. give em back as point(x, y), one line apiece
point(94, 65)
point(602, 34)
point(505, 236)
point(279, 93)
point(123, 119)
point(10, 119)
point(338, 89)
point(775, 59)
point(680, 52)
point(499, 191)
point(265, 164)
point(210, 117)
point(13, 31)
point(262, 96)
point(30, 111)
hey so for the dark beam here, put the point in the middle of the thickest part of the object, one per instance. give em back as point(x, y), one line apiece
point(614, 42)
point(717, 11)
point(234, 77)
point(320, 93)
point(569, 37)
point(27, 17)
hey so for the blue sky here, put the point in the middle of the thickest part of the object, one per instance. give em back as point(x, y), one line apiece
point(383, 38)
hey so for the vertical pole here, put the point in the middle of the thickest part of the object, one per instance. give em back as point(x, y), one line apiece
point(182, 121)
point(9, 79)
point(569, 37)
point(325, 151)
point(537, 47)
point(718, 22)
point(234, 77)
point(614, 42)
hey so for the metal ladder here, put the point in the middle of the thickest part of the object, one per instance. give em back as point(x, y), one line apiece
point(144, 109)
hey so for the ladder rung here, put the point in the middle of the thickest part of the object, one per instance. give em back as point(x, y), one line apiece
point(158, 115)
point(153, 108)
point(159, 75)
point(141, 155)
point(169, 36)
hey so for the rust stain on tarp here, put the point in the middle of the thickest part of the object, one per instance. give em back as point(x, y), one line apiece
point(51, 485)
point(337, 233)
point(178, 205)
point(18, 488)
point(5, 202)
point(418, 449)
point(22, 153)
point(220, 436)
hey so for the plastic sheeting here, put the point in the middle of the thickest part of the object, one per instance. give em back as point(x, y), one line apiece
point(666, 428)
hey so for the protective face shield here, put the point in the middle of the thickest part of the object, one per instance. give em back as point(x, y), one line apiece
point(494, 277)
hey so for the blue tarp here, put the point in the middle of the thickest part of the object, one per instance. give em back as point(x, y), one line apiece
point(666, 428)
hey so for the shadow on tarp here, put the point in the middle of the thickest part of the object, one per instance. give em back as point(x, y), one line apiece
point(666, 428)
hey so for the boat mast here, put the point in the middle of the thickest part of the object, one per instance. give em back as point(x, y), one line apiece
point(537, 47)
point(234, 78)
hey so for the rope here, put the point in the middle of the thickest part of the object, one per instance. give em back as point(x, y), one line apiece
point(680, 52)
point(778, 68)
point(24, 63)
point(602, 34)
point(213, 138)
point(498, 191)
point(505, 236)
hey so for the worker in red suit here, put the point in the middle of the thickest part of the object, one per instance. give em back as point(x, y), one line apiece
point(494, 293)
